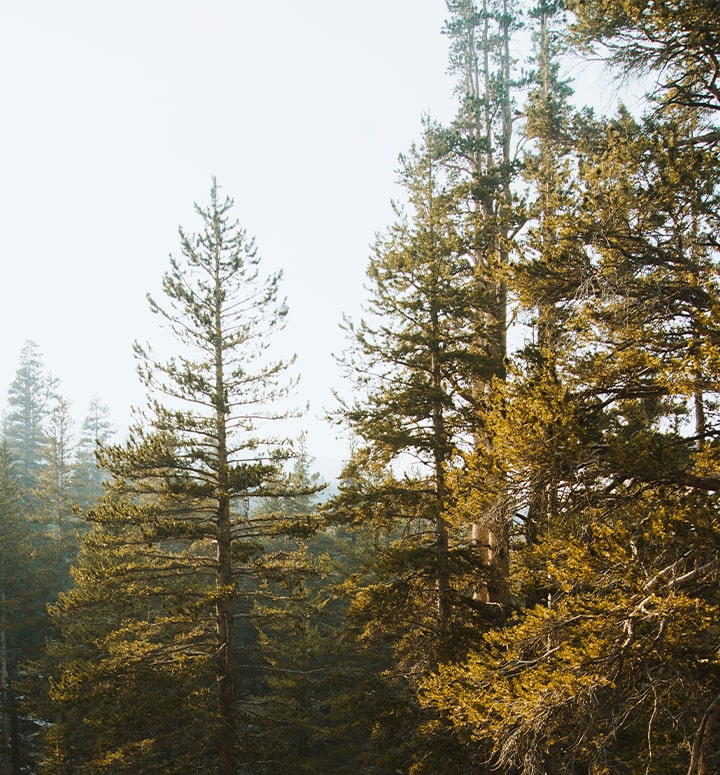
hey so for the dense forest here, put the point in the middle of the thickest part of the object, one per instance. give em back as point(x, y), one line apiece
point(517, 571)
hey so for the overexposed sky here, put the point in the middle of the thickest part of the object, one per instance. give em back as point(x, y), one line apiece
point(114, 117)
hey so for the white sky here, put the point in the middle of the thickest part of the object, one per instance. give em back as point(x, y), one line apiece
point(115, 115)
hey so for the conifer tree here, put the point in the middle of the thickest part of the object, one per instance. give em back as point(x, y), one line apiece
point(95, 432)
point(286, 710)
point(56, 525)
point(527, 411)
point(546, 273)
point(427, 372)
point(609, 669)
point(676, 44)
point(14, 564)
point(29, 403)
point(413, 361)
point(54, 492)
point(481, 149)
point(132, 673)
point(173, 535)
point(549, 269)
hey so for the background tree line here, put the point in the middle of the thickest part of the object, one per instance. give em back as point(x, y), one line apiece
point(48, 475)
point(519, 570)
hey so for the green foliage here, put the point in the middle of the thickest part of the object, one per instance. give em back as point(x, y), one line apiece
point(602, 442)
point(134, 665)
point(56, 524)
point(416, 362)
point(87, 477)
point(519, 573)
point(147, 676)
point(29, 401)
point(14, 621)
point(615, 669)
point(676, 42)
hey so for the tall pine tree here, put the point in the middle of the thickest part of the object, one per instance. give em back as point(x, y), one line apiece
point(412, 360)
point(174, 536)
point(14, 581)
point(29, 403)
point(607, 666)
point(481, 149)
point(95, 432)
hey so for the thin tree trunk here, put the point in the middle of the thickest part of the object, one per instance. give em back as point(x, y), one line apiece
point(225, 665)
point(441, 531)
point(492, 538)
point(5, 709)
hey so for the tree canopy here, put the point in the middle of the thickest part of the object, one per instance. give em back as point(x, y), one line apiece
point(517, 570)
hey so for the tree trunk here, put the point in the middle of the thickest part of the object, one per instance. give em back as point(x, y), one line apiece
point(492, 537)
point(5, 709)
point(225, 671)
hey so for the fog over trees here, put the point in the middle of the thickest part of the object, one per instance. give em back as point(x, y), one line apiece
point(517, 570)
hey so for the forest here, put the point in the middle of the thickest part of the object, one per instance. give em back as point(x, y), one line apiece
point(517, 571)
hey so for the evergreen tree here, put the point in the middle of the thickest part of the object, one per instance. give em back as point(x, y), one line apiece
point(546, 275)
point(55, 536)
point(427, 372)
point(87, 476)
point(675, 43)
point(481, 149)
point(29, 403)
point(286, 710)
point(605, 666)
point(413, 361)
point(173, 535)
point(14, 563)
point(547, 270)
point(131, 676)
point(41, 559)
point(54, 491)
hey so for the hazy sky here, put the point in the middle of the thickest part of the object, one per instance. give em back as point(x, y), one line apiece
point(115, 115)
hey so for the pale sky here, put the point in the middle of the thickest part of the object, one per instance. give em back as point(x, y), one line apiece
point(115, 115)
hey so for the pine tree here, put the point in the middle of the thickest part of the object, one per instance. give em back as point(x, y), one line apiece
point(29, 403)
point(173, 532)
point(413, 361)
point(95, 432)
point(605, 665)
point(55, 539)
point(131, 676)
point(480, 145)
point(517, 474)
point(480, 148)
point(675, 43)
point(548, 271)
point(286, 709)
point(14, 563)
